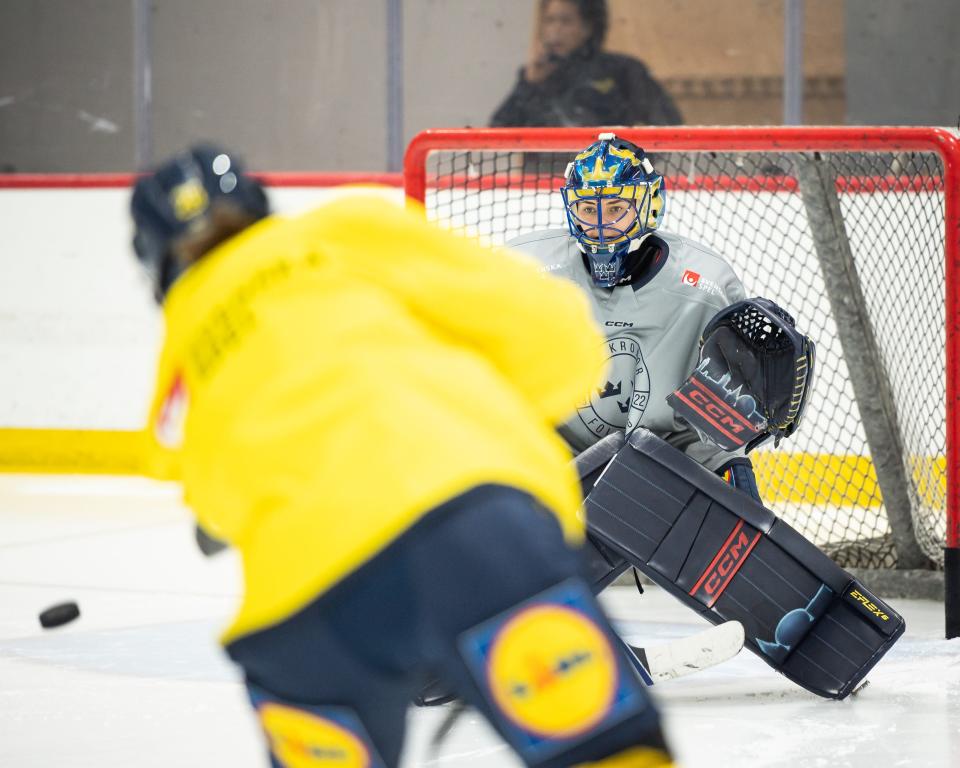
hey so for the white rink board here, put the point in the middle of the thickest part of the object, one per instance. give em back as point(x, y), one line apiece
point(79, 331)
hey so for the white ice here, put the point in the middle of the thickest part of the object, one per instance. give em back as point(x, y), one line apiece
point(138, 679)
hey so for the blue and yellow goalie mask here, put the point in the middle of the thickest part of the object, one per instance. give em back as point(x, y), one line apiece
point(613, 199)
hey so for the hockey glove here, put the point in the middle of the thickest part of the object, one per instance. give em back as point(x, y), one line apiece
point(752, 380)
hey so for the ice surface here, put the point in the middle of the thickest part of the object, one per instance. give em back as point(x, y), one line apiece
point(138, 679)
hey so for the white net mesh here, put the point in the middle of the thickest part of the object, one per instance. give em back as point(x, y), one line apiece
point(748, 206)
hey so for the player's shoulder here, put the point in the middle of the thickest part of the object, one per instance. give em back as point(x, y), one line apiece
point(687, 253)
point(620, 60)
point(692, 264)
point(553, 248)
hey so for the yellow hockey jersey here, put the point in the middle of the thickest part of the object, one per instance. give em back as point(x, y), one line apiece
point(328, 379)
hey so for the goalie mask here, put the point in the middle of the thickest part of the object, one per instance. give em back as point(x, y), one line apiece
point(613, 200)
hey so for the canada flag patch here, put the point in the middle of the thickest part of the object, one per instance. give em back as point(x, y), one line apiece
point(173, 414)
point(689, 277)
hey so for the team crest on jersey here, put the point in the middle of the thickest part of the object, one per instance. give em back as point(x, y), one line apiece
point(621, 398)
point(604, 271)
point(172, 416)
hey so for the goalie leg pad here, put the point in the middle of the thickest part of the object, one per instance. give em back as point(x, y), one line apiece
point(728, 557)
point(602, 565)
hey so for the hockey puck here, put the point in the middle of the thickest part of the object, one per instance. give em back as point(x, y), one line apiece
point(59, 614)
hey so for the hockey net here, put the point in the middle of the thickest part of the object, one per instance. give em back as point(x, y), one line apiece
point(850, 230)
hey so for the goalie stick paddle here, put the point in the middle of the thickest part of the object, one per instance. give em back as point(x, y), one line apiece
point(678, 658)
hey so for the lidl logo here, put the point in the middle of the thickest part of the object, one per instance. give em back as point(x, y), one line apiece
point(299, 739)
point(552, 671)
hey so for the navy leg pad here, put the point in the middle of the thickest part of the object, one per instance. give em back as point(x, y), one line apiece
point(728, 557)
point(602, 564)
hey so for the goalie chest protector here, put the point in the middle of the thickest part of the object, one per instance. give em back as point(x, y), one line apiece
point(728, 557)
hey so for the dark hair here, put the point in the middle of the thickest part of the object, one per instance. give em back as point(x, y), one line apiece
point(592, 12)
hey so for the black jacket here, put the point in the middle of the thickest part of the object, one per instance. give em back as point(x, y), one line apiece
point(590, 89)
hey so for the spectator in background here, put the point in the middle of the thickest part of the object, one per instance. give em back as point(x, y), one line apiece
point(570, 81)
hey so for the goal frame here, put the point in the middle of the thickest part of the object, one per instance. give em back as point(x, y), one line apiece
point(941, 141)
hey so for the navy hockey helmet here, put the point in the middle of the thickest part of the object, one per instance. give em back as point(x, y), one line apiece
point(188, 198)
point(612, 169)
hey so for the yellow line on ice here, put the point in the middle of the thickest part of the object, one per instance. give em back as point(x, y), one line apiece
point(70, 451)
point(782, 477)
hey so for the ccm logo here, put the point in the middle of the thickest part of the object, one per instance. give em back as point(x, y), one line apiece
point(619, 324)
point(714, 410)
point(690, 277)
point(731, 556)
point(869, 605)
point(727, 562)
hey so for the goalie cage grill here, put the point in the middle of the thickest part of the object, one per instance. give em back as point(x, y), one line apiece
point(756, 326)
point(855, 232)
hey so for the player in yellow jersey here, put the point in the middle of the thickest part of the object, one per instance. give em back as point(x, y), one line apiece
point(365, 407)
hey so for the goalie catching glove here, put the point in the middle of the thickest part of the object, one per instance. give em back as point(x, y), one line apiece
point(752, 380)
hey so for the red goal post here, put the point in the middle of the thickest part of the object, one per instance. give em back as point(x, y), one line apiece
point(859, 228)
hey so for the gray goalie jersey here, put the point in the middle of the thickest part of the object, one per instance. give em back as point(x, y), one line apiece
point(653, 329)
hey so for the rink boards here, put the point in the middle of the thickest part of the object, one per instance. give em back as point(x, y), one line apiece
point(79, 333)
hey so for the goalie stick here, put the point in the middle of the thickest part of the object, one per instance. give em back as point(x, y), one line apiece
point(678, 658)
point(656, 663)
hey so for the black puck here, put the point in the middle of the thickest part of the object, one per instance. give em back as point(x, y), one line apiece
point(59, 614)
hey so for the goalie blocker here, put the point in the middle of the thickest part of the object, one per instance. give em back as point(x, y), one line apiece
point(728, 557)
